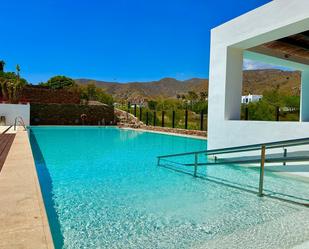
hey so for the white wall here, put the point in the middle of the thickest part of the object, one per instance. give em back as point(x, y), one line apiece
point(241, 132)
point(11, 111)
point(304, 103)
point(272, 21)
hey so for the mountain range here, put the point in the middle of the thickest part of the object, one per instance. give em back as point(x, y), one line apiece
point(254, 82)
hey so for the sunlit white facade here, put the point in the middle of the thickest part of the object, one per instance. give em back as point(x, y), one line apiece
point(229, 46)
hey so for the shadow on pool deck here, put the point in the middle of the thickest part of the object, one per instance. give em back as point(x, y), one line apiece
point(47, 192)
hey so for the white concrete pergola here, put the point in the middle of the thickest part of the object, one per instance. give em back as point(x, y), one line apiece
point(233, 41)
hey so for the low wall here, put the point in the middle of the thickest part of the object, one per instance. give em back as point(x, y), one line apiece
point(11, 111)
point(175, 130)
point(128, 120)
point(70, 114)
point(230, 133)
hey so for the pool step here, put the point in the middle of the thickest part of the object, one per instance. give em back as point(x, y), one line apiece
point(287, 231)
point(257, 149)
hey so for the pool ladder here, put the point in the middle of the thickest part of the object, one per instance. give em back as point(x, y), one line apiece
point(20, 121)
point(263, 158)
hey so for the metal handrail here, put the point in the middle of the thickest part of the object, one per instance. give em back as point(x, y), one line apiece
point(244, 148)
point(262, 147)
point(253, 161)
point(21, 121)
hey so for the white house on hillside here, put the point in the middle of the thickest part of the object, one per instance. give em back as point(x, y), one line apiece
point(246, 99)
point(276, 33)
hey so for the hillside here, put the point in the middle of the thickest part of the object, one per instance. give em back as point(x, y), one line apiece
point(167, 87)
point(255, 82)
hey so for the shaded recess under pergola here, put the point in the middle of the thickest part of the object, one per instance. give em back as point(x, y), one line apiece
point(293, 48)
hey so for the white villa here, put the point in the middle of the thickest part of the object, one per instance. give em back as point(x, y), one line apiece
point(276, 33)
point(246, 99)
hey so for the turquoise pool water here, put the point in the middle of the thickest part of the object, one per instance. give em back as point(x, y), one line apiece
point(102, 189)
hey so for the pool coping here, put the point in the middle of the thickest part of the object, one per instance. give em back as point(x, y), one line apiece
point(23, 218)
point(120, 128)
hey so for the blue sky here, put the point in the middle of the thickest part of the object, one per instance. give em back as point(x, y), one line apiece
point(112, 40)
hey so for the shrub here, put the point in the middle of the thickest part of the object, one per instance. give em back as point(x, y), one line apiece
point(11, 86)
point(91, 92)
point(59, 82)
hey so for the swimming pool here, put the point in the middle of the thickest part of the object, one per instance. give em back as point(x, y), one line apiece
point(102, 189)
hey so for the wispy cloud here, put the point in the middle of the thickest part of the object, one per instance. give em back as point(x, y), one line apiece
point(252, 65)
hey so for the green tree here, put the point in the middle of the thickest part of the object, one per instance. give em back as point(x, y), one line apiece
point(292, 101)
point(261, 111)
point(273, 97)
point(59, 82)
point(12, 86)
point(103, 97)
point(200, 106)
point(18, 70)
point(2, 64)
point(152, 105)
point(192, 96)
point(203, 96)
point(91, 92)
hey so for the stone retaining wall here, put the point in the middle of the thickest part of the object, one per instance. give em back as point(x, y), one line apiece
point(175, 130)
point(35, 94)
point(126, 119)
point(70, 114)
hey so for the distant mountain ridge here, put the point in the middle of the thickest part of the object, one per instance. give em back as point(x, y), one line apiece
point(166, 88)
point(254, 81)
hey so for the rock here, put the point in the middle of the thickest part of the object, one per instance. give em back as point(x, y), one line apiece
point(126, 119)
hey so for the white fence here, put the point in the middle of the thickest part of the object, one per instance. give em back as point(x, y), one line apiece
point(11, 111)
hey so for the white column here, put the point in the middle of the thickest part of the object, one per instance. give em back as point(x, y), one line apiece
point(304, 99)
point(233, 85)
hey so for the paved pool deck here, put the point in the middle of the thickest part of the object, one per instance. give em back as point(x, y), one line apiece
point(23, 219)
